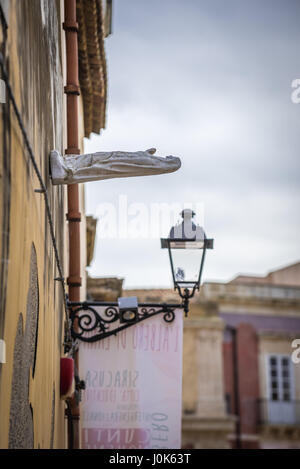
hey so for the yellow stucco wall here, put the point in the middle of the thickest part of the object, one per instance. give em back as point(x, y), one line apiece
point(33, 51)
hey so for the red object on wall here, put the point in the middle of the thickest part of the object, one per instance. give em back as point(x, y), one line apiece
point(66, 375)
point(241, 382)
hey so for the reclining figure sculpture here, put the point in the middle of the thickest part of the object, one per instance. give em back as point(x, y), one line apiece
point(75, 169)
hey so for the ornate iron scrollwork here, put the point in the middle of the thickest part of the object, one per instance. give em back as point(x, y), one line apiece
point(89, 324)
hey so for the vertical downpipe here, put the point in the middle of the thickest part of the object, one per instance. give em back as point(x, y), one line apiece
point(72, 91)
point(238, 443)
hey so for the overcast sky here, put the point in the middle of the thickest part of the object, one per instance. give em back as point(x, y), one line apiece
point(208, 81)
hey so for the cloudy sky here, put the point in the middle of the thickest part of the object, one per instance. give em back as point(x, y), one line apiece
point(208, 81)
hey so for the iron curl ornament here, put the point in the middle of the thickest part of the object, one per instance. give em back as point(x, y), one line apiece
point(92, 321)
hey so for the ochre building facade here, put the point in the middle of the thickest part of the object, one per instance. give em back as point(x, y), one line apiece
point(32, 313)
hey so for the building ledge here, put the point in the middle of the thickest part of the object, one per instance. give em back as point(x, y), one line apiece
point(207, 424)
point(279, 431)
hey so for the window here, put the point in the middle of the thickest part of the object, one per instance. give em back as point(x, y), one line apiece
point(280, 389)
point(280, 378)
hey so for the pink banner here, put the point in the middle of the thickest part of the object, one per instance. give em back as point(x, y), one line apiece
point(134, 387)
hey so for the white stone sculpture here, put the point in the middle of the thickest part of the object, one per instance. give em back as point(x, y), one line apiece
point(75, 169)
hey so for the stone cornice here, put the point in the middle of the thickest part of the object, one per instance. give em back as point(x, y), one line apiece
point(92, 64)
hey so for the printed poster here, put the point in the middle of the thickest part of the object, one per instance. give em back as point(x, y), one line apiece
point(133, 387)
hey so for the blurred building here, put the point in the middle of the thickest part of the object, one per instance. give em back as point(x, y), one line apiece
point(241, 388)
point(32, 315)
point(262, 384)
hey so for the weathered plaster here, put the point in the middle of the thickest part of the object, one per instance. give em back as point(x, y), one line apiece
point(35, 72)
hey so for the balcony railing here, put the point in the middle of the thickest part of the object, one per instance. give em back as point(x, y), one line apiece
point(278, 412)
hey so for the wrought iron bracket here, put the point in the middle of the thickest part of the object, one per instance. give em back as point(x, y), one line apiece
point(186, 295)
point(89, 324)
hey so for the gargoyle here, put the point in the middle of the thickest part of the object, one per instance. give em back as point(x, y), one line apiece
point(75, 169)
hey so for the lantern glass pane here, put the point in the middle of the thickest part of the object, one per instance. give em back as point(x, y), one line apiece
point(186, 264)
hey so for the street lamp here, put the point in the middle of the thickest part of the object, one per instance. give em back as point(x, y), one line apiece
point(187, 244)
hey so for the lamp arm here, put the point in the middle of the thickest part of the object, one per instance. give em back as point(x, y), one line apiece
point(90, 325)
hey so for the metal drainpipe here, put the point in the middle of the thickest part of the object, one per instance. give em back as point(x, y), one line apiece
point(236, 387)
point(72, 91)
